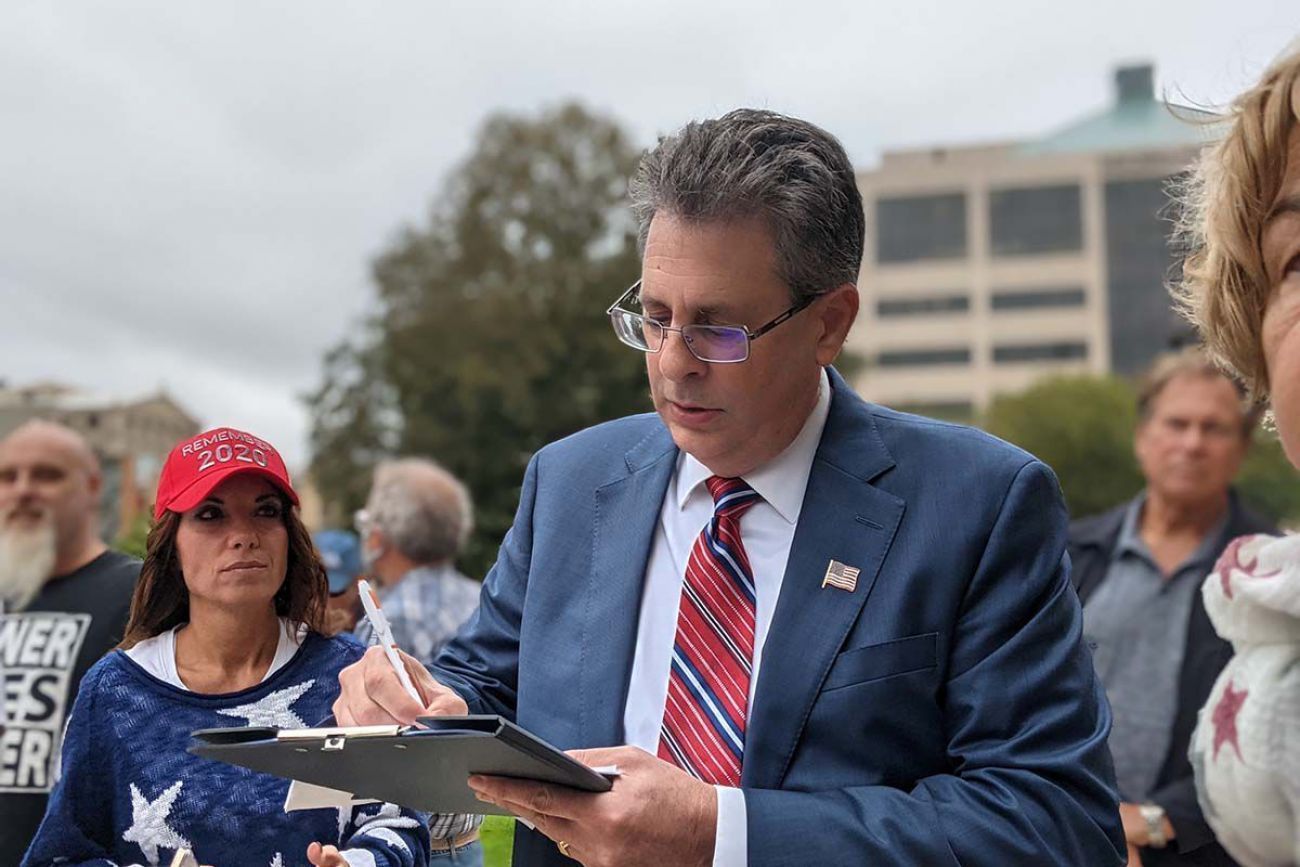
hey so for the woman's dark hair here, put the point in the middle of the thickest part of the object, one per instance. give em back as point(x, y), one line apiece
point(161, 600)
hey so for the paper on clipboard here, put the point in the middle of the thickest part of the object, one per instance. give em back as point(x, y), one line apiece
point(184, 858)
point(306, 796)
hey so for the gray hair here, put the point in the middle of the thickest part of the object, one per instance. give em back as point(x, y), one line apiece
point(1196, 363)
point(422, 509)
point(752, 163)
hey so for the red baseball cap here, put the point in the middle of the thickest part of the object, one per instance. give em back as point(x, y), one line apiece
point(197, 465)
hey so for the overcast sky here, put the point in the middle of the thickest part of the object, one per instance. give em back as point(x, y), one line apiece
point(190, 193)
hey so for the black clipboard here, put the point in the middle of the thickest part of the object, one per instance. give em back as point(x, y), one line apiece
point(421, 768)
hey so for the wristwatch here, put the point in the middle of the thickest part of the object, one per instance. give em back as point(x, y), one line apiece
point(1154, 816)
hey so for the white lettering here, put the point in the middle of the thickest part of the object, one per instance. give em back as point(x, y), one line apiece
point(64, 638)
point(13, 689)
point(34, 760)
point(197, 446)
point(35, 643)
point(10, 741)
point(39, 651)
point(25, 760)
point(20, 695)
point(13, 631)
point(224, 454)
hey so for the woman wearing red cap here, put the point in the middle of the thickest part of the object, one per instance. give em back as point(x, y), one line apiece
point(225, 629)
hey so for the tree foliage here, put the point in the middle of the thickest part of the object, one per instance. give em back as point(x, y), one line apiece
point(1269, 483)
point(1082, 427)
point(134, 538)
point(490, 338)
point(354, 424)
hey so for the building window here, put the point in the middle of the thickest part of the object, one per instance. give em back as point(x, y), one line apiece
point(921, 227)
point(922, 306)
point(1036, 220)
point(1034, 299)
point(1139, 262)
point(923, 357)
point(1039, 352)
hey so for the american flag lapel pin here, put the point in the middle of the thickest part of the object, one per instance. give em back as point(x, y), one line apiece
point(841, 576)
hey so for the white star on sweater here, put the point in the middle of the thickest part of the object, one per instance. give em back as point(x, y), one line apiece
point(388, 816)
point(345, 815)
point(149, 822)
point(381, 825)
point(274, 709)
point(278, 860)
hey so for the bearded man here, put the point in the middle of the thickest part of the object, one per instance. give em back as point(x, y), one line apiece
point(65, 599)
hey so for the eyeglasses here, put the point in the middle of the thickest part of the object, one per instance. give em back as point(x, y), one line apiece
point(715, 344)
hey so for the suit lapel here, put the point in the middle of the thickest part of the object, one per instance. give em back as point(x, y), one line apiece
point(843, 518)
point(627, 513)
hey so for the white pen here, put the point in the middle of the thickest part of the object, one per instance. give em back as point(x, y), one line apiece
point(375, 614)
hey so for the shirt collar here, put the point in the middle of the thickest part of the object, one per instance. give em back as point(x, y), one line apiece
point(1130, 538)
point(1129, 541)
point(781, 482)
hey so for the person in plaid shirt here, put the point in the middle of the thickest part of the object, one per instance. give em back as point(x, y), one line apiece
point(415, 522)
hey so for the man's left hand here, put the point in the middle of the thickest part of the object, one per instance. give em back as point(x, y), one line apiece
point(656, 814)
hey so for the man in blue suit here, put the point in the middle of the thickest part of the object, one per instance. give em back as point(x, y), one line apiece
point(808, 630)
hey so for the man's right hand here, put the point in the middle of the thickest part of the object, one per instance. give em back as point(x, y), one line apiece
point(372, 695)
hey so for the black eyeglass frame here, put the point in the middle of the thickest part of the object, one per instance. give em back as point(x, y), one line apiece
point(750, 336)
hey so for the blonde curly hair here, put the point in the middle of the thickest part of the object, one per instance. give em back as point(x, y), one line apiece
point(1224, 286)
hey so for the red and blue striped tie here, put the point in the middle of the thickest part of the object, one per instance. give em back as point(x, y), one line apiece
point(708, 689)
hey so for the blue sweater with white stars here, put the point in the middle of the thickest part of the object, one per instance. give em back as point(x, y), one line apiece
point(130, 794)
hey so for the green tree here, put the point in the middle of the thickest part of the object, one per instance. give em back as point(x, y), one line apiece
point(1269, 482)
point(354, 424)
point(132, 540)
point(490, 338)
point(1080, 426)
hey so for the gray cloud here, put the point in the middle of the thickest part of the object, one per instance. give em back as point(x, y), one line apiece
point(190, 194)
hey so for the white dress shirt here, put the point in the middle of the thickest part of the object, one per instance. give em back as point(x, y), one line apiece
point(767, 531)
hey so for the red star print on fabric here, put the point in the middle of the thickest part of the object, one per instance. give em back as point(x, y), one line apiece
point(1231, 560)
point(1225, 719)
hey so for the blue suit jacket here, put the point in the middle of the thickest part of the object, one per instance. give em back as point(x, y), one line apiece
point(944, 712)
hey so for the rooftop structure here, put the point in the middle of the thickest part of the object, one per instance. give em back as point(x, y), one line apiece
point(990, 266)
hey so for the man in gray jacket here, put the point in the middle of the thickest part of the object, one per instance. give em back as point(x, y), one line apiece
point(1139, 569)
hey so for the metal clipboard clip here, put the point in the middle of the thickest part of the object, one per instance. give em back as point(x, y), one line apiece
point(335, 739)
